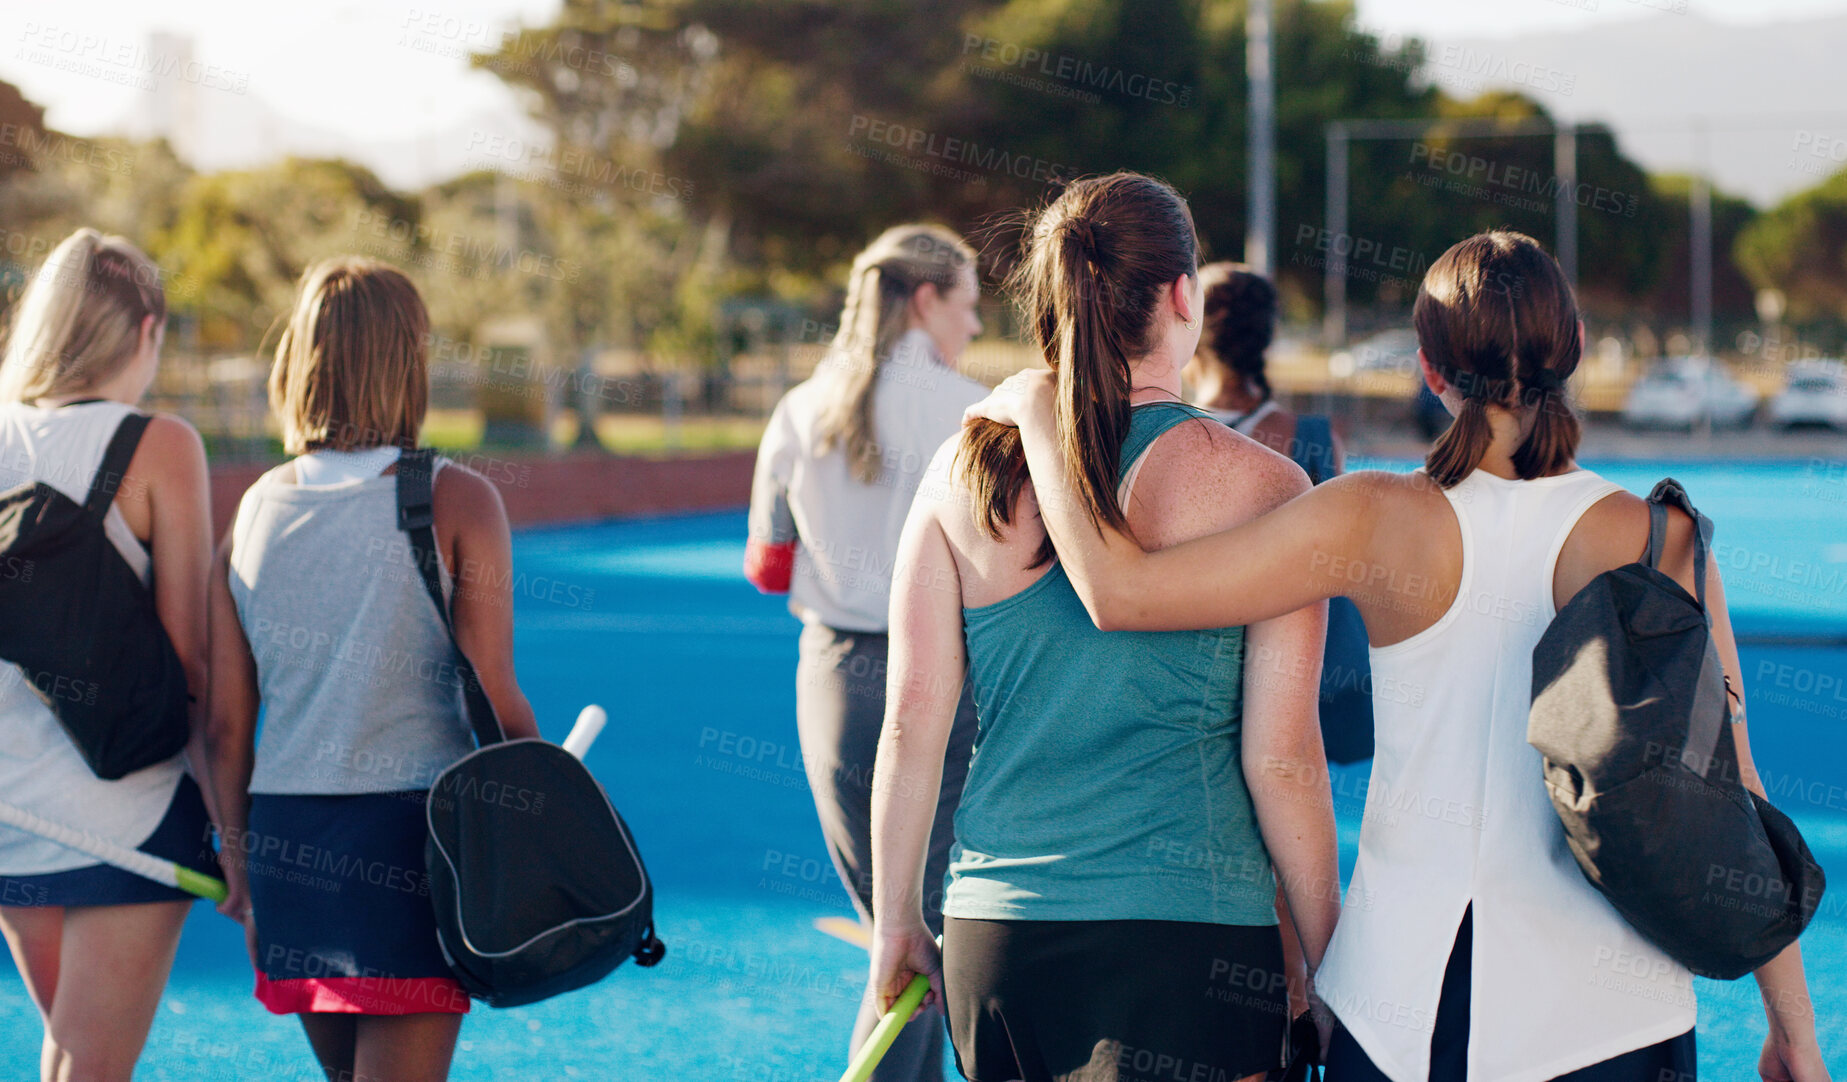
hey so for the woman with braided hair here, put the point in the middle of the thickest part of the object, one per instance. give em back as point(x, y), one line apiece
point(1229, 378)
point(842, 456)
point(1470, 945)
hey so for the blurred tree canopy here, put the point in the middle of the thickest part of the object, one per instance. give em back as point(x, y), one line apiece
point(803, 127)
point(707, 148)
point(1800, 247)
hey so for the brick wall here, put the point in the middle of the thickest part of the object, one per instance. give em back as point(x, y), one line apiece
point(572, 488)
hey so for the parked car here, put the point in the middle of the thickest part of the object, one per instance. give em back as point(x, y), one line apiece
point(1682, 392)
point(1816, 394)
point(1387, 351)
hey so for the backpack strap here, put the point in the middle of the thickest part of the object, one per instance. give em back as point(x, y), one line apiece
point(417, 517)
point(109, 475)
point(1666, 492)
point(1314, 447)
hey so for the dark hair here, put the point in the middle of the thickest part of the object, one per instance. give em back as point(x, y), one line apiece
point(1497, 320)
point(1240, 321)
point(1088, 285)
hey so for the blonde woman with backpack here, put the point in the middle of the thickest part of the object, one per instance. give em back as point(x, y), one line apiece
point(94, 943)
point(1470, 946)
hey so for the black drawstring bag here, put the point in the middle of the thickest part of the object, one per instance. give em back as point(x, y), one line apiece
point(1630, 712)
point(83, 629)
point(537, 884)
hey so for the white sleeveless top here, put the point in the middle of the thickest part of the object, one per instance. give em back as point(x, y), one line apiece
point(1457, 814)
point(40, 770)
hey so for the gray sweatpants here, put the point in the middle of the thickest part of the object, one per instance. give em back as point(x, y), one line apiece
point(839, 710)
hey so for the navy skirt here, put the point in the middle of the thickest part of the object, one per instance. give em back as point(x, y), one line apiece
point(342, 906)
point(183, 836)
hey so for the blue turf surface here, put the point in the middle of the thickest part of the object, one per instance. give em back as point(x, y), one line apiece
point(650, 618)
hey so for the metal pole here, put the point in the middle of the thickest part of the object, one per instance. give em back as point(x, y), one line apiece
point(1565, 165)
point(1700, 199)
point(1260, 230)
point(1334, 287)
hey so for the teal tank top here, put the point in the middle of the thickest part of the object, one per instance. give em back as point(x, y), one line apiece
point(1106, 782)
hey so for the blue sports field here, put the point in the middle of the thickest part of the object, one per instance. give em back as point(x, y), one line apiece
point(652, 619)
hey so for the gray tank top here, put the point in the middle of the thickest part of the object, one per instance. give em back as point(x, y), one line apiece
point(357, 674)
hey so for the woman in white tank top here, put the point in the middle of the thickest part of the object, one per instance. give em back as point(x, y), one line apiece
point(1469, 945)
point(95, 943)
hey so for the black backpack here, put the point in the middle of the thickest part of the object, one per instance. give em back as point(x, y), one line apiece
point(537, 885)
point(1346, 663)
point(1630, 712)
point(76, 618)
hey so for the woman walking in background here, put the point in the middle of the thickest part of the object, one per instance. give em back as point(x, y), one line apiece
point(1112, 902)
point(95, 943)
point(319, 616)
point(842, 456)
point(1472, 947)
point(1229, 378)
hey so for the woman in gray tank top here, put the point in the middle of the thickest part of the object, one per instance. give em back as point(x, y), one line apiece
point(1134, 801)
point(320, 618)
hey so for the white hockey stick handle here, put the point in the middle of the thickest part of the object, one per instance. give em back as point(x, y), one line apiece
point(583, 734)
point(115, 853)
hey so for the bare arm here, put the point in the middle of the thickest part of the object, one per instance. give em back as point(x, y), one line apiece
point(471, 528)
point(1265, 568)
point(170, 482)
point(230, 733)
point(1286, 770)
point(923, 686)
point(1781, 981)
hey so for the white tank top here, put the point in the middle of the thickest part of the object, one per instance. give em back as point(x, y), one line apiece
point(1457, 815)
point(40, 770)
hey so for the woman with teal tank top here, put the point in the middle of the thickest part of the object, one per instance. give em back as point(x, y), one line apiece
point(1139, 806)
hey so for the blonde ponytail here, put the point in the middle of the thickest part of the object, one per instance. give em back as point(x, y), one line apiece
point(885, 276)
point(79, 322)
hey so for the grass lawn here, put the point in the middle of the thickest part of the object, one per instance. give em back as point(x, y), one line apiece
point(624, 434)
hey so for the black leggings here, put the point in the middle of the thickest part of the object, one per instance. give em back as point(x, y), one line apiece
point(1670, 1061)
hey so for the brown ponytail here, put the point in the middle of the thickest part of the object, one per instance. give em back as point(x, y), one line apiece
point(1088, 286)
point(1497, 321)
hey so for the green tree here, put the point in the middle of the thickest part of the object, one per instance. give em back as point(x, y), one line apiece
point(1799, 246)
point(241, 239)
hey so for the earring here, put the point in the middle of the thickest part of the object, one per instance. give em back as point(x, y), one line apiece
point(1192, 324)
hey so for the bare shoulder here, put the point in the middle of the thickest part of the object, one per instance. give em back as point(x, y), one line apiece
point(1201, 463)
point(466, 498)
point(945, 496)
point(170, 447)
point(1614, 532)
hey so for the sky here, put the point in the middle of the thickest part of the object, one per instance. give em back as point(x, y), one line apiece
point(388, 83)
point(1510, 18)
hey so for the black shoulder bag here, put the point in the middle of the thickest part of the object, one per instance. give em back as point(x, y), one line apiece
point(538, 886)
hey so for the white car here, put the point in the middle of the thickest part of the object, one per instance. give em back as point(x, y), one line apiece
point(1816, 394)
point(1684, 391)
point(1387, 351)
